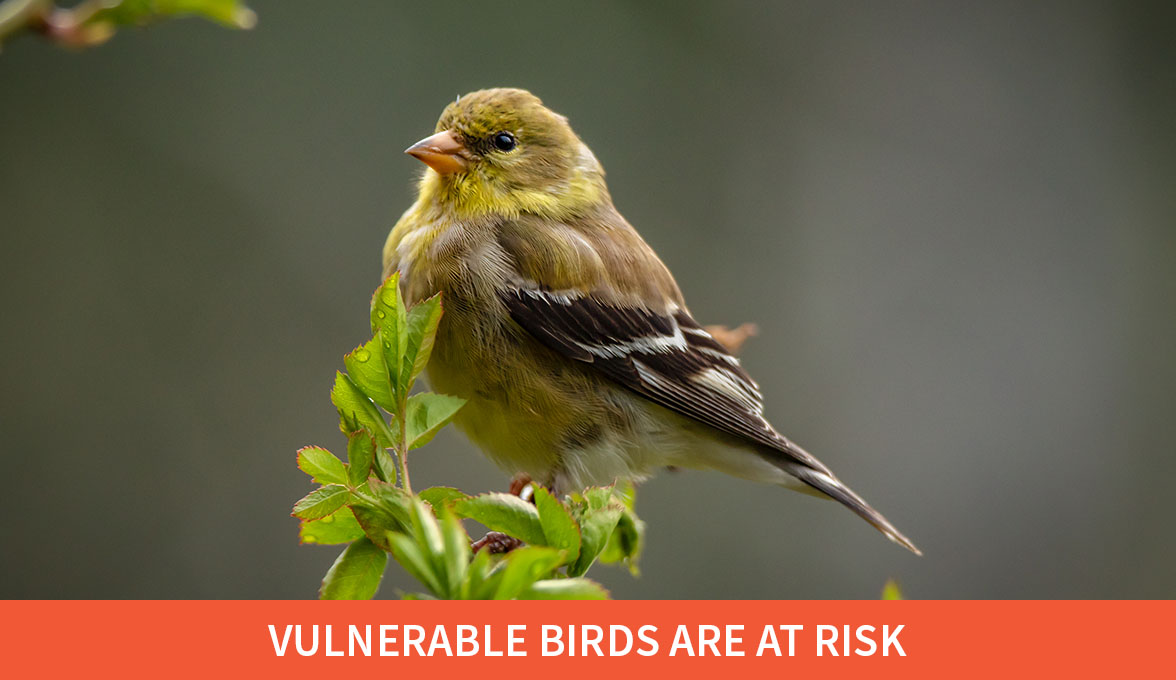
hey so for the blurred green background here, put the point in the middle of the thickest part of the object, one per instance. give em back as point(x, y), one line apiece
point(955, 224)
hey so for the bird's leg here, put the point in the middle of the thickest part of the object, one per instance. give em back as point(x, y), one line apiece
point(496, 541)
point(522, 487)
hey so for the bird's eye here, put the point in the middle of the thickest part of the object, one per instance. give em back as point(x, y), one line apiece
point(504, 141)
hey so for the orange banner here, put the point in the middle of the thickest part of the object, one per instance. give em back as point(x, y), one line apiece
point(589, 639)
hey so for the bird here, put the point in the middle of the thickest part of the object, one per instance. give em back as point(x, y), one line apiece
point(564, 332)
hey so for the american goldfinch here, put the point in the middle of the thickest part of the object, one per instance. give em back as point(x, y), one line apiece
point(562, 329)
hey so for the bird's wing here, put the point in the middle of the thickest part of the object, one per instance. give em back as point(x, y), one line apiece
point(667, 358)
point(671, 360)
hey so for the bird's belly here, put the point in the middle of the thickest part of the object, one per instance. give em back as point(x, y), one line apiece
point(531, 410)
point(507, 411)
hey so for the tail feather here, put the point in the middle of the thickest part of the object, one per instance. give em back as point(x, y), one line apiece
point(832, 487)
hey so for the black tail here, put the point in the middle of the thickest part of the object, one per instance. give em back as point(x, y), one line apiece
point(832, 487)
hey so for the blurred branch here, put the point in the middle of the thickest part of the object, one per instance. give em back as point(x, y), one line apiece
point(733, 338)
point(93, 22)
point(18, 15)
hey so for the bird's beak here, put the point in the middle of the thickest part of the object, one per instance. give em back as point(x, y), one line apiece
point(442, 152)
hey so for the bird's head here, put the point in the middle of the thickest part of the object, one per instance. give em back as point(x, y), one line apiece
point(502, 152)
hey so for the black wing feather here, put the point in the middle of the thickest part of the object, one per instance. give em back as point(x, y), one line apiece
point(611, 338)
point(661, 357)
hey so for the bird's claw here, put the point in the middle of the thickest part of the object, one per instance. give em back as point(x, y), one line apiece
point(496, 542)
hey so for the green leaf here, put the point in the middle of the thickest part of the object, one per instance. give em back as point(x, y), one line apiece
point(628, 538)
point(357, 411)
point(356, 574)
point(426, 532)
point(376, 523)
point(523, 567)
point(891, 591)
point(427, 414)
point(439, 496)
point(456, 553)
point(361, 451)
point(387, 508)
point(478, 584)
point(625, 543)
point(559, 528)
point(414, 560)
point(598, 517)
point(506, 513)
point(385, 466)
point(366, 367)
point(421, 333)
point(231, 13)
point(336, 528)
point(322, 465)
point(389, 319)
point(626, 493)
point(565, 589)
point(597, 497)
point(321, 502)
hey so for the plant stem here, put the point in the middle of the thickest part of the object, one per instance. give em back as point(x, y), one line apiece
point(402, 446)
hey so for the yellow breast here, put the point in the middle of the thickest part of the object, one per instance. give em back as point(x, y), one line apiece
point(512, 384)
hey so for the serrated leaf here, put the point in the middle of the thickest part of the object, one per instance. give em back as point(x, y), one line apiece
point(559, 529)
point(356, 574)
point(365, 366)
point(386, 508)
point(421, 332)
point(565, 589)
point(625, 543)
point(506, 513)
point(389, 319)
point(322, 465)
point(427, 413)
point(523, 567)
point(321, 502)
point(357, 411)
point(361, 452)
point(439, 496)
point(597, 519)
point(597, 497)
point(336, 528)
point(628, 538)
point(390, 493)
point(376, 523)
point(414, 560)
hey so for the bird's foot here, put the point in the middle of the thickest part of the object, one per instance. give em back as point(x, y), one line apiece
point(497, 543)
